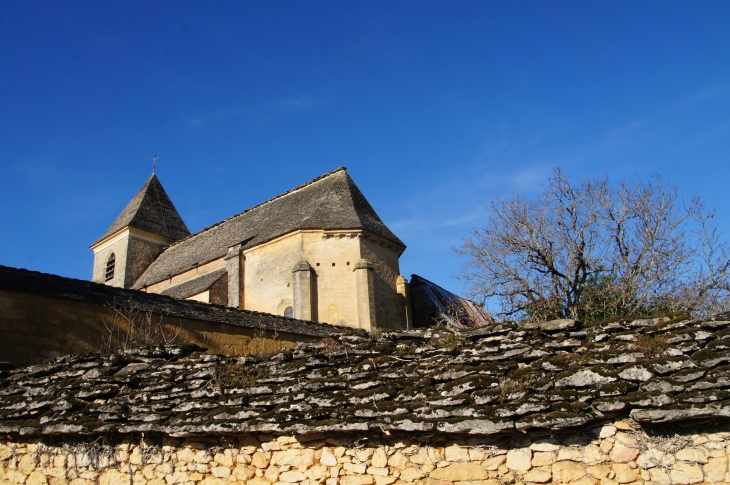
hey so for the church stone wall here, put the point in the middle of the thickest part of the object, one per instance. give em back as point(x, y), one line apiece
point(333, 259)
point(269, 280)
point(269, 286)
point(34, 328)
point(119, 248)
point(389, 305)
point(140, 254)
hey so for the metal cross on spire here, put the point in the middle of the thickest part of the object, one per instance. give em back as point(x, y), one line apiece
point(154, 163)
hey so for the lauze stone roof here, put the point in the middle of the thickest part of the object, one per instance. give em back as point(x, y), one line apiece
point(496, 379)
point(332, 201)
point(151, 210)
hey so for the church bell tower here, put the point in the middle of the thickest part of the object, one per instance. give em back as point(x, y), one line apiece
point(145, 227)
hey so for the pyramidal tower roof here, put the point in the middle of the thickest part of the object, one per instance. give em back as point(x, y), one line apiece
point(329, 202)
point(151, 210)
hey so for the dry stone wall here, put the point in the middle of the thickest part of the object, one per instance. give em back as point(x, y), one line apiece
point(631, 401)
point(615, 453)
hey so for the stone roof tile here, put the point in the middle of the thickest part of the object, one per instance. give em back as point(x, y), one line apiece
point(151, 210)
point(414, 381)
point(195, 285)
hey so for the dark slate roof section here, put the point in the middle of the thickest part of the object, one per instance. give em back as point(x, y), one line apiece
point(331, 201)
point(151, 210)
point(196, 285)
point(498, 379)
point(432, 304)
point(25, 281)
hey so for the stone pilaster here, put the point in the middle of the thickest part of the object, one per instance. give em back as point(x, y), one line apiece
point(365, 292)
point(302, 297)
point(404, 293)
point(234, 266)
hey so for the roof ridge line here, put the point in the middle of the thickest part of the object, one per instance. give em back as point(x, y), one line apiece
point(350, 183)
point(338, 169)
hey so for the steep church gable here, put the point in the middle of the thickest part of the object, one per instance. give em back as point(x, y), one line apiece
point(343, 206)
point(151, 210)
point(331, 201)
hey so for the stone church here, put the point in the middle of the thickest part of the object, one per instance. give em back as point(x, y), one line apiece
point(317, 252)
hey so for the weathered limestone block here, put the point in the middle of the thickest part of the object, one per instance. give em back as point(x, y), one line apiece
point(301, 459)
point(456, 453)
point(586, 480)
point(258, 481)
point(716, 469)
point(203, 457)
point(164, 469)
point(261, 459)
point(244, 472)
point(572, 454)
point(357, 480)
point(599, 471)
point(81, 481)
point(221, 471)
point(224, 459)
point(624, 473)
point(272, 473)
point(543, 458)
point(544, 446)
point(317, 472)
point(27, 463)
point(607, 431)
point(5, 453)
point(411, 474)
point(567, 471)
point(494, 462)
point(460, 471)
point(592, 455)
point(177, 477)
point(355, 468)
point(14, 476)
point(653, 457)
point(398, 461)
point(685, 473)
point(474, 455)
point(328, 458)
point(56, 471)
point(625, 449)
point(538, 475)
point(114, 477)
point(697, 455)
point(382, 480)
point(36, 478)
point(364, 455)
point(293, 476)
point(214, 481)
point(519, 459)
point(376, 471)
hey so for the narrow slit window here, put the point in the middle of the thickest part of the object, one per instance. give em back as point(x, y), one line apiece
point(109, 273)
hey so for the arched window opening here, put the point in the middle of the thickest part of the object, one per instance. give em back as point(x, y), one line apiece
point(289, 312)
point(109, 274)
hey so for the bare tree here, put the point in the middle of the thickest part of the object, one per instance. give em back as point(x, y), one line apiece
point(129, 326)
point(592, 250)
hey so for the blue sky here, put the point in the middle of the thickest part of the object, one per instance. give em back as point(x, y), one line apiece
point(435, 108)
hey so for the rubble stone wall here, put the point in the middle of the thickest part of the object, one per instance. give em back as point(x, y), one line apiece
point(614, 453)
